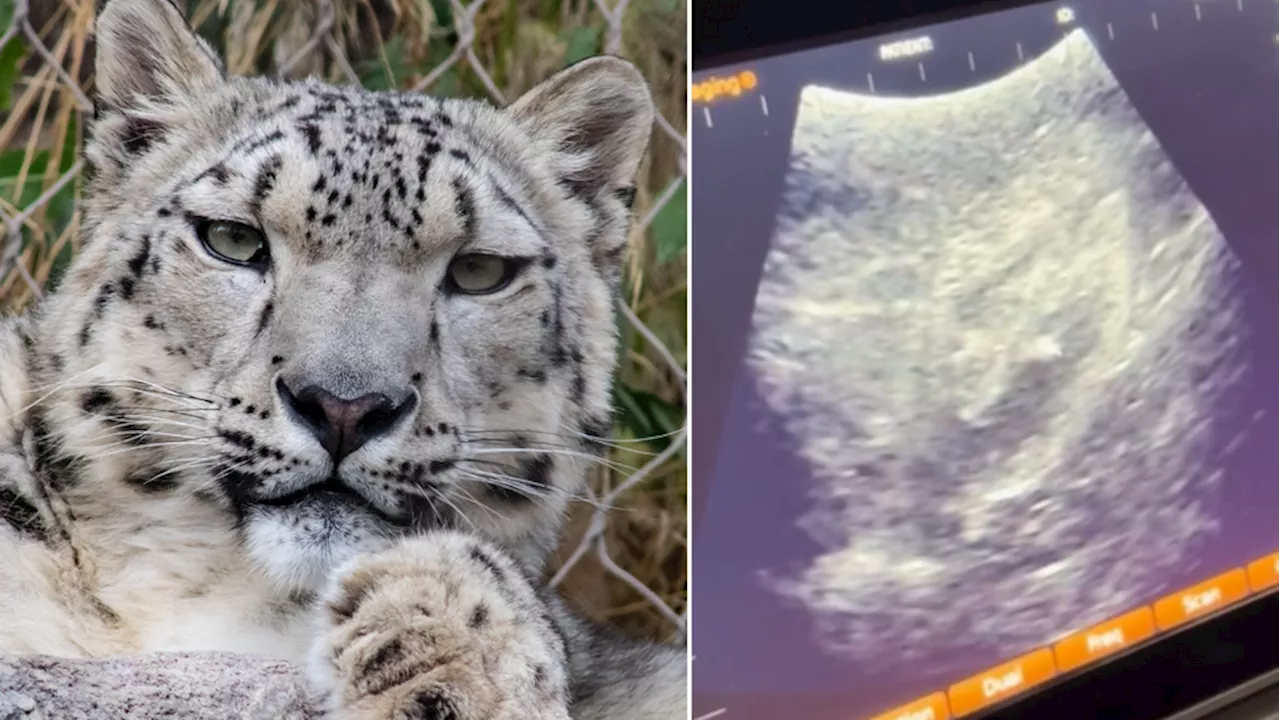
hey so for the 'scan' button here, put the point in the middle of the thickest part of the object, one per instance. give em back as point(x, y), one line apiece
point(1262, 573)
point(1203, 599)
point(1002, 682)
point(1104, 639)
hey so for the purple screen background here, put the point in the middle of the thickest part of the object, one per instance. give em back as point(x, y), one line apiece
point(1207, 89)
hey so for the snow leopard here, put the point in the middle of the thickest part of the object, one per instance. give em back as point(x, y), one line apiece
point(322, 382)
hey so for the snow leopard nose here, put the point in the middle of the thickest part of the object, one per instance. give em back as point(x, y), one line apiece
point(342, 425)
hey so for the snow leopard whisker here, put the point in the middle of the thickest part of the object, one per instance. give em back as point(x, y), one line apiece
point(192, 413)
point(193, 464)
point(78, 382)
point(167, 397)
point(507, 435)
point(511, 482)
point(593, 459)
point(143, 418)
point(189, 465)
point(569, 433)
point(54, 386)
point(53, 389)
point(173, 391)
point(465, 494)
point(454, 507)
point(126, 447)
point(622, 441)
point(120, 436)
point(526, 487)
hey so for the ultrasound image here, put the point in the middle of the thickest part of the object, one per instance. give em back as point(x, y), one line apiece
point(996, 323)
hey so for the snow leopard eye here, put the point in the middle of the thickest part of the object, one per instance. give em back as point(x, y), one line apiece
point(479, 274)
point(233, 242)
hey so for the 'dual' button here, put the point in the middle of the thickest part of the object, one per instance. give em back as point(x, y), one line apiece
point(1199, 600)
point(1001, 682)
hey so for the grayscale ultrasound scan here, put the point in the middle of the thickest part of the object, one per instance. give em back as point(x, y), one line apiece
point(986, 318)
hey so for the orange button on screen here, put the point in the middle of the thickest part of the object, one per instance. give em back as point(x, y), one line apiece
point(1262, 573)
point(1201, 599)
point(1002, 682)
point(1104, 639)
point(933, 707)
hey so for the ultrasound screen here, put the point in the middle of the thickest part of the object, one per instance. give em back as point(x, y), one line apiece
point(986, 367)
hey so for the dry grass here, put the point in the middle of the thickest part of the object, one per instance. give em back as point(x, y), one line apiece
point(402, 43)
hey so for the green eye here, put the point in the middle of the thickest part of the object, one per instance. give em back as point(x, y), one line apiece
point(477, 274)
point(234, 242)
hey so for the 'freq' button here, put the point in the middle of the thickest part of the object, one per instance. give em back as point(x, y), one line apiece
point(1001, 682)
point(1202, 599)
point(1104, 639)
point(1262, 573)
point(933, 707)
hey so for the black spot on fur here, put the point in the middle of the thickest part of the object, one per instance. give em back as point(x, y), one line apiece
point(537, 470)
point(219, 172)
point(127, 285)
point(239, 485)
point(536, 375)
point(482, 557)
point(576, 186)
point(264, 183)
point(151, 484)
point(96, 400)
point(431, 706)
point(465, 206)
point(390, 654)
point(434, 332)
point(352, 593)
point(597, 428)
point(627, 195)
point(100, 302)
point(22, 516)
point(239, 439)
point(108, 616)
point(479, 616)
point(265, 316)
point(140, 133)
point(276, 360)
point(139, 259)
point(257, 144)
point(439, 466)
point(311, 132)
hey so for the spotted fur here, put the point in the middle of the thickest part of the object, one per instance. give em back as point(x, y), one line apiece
point(174, 472)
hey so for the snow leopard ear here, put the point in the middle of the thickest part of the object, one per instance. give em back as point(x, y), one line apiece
point(147, 55)
point(598, 114)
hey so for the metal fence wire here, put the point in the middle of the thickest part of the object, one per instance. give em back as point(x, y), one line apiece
point(627, 541)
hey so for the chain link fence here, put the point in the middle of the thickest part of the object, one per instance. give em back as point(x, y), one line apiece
point(624, 559)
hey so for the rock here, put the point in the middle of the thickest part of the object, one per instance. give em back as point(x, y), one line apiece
point(192, 686)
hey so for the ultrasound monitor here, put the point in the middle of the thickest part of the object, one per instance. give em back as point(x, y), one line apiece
point(987, 366)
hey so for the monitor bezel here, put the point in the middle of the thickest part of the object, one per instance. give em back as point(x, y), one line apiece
point(1175, 671)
